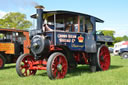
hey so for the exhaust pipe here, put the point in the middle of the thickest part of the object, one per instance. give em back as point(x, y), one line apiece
point(39, 16)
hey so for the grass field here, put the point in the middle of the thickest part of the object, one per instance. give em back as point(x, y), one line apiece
point(116, 75)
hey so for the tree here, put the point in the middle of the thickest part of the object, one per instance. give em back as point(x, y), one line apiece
point(15, 20)
point(125, 38)
point(108, 33)
point(118, 39)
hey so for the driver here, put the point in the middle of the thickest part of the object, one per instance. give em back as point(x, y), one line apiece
point(46, 27)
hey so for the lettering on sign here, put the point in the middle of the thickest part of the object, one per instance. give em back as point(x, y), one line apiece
point(66, 38)
point(74, 40)
point(62, 36)
point(71, 36)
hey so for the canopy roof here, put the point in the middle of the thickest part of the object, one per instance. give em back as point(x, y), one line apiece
point(70, 13)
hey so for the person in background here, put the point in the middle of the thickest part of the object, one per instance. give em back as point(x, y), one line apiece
point(67, 29)
point(70, 27)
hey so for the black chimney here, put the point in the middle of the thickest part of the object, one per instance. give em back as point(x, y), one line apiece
point(39, 17)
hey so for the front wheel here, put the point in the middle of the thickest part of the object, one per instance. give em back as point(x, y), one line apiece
point(23, 65)
point(2, 61)
point(103, 58)
point(57, 66)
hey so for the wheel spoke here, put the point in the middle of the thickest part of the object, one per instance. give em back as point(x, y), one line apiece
point(64, 65)
point(55, 73)
point(25, 72)
point(101, 53)
point(25, 61)
point(59, 75)
point(31, 72)
point(60, 60)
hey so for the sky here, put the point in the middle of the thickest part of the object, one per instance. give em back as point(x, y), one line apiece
point(113, 12)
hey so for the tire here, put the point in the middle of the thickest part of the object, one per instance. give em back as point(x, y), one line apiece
point(22, 65)
point(103, 58)
point(124, 55)
point(2, 61)
point(57, 66)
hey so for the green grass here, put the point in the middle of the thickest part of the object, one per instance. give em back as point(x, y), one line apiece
point(116, 75)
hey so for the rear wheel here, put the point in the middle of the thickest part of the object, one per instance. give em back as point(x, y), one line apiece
point(103, 58)
point(23, 64)
point(2, 61)
point(124, 55)
point(57, 66)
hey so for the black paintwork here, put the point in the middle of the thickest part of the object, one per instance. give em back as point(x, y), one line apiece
point(123, 50)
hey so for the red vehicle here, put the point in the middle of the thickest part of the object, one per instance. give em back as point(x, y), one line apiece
point(12, 44)
point(62, 40)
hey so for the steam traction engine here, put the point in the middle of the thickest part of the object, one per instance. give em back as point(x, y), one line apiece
point(62, 40)
point(13, 43)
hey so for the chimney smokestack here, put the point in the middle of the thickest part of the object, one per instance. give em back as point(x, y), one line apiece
point(39, 16)
point(39, 7)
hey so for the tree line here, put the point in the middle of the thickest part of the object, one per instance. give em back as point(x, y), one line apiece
point(115, 39)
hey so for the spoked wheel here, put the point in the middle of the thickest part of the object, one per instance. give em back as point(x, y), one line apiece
point(57, 66)
point(23, 65)
point(2, 61)
point(103, 58)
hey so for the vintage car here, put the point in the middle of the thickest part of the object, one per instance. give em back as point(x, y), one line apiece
point(123, 52)
point(12, 44)
point(61, 41)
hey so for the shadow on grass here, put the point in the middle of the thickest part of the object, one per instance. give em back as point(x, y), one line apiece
point(115, 67)
point(85, 69)
point(8, 67)
point(73, 72)
point(79, 71)
point(42, 74)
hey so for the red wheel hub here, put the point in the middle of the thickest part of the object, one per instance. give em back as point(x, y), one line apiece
point(59, 67)
point(104, 58)
point(25, 65)
point(1, 62)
